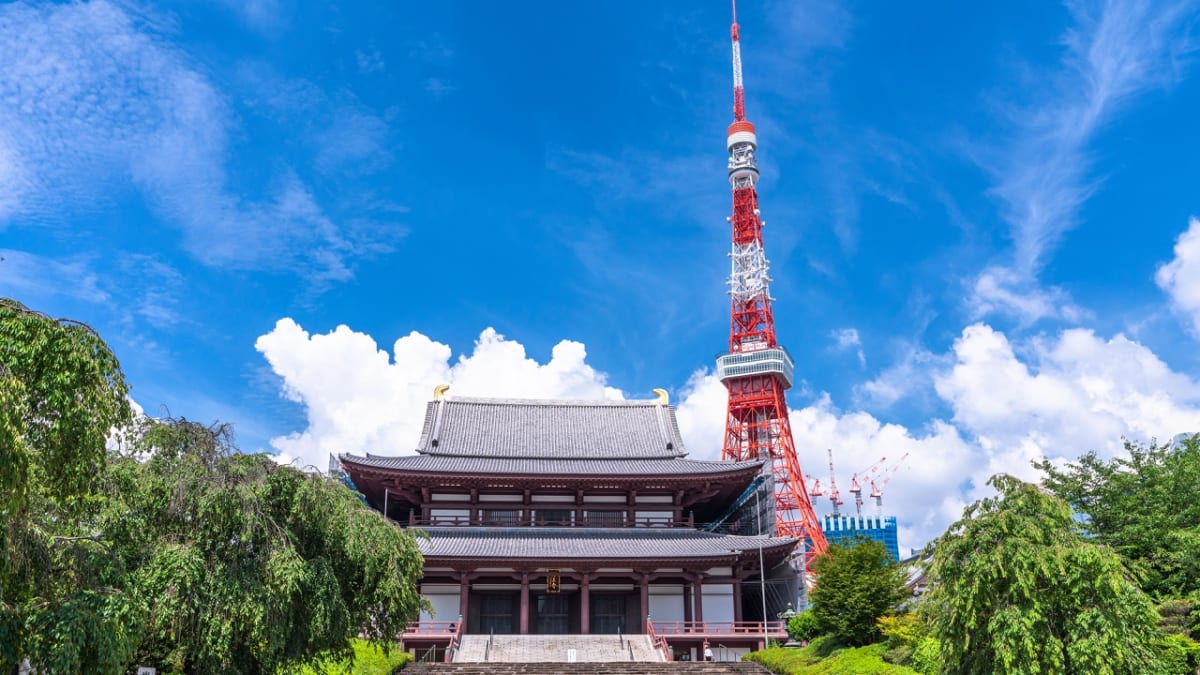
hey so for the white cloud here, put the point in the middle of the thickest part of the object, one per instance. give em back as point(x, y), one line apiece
point(1180, 278)
point(360, 398)
point(847, 339)
point(1000, 290)
point(1114, 51)
point(30, 276)
point(94, 98)
point(1055, 397)
point(1072, 394)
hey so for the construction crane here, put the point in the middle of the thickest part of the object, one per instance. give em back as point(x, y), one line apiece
point(877, 490)
point(856, 486)
point(835, 496)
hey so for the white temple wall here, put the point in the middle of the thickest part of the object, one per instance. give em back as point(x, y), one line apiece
point(666, 603)
point(444, 599)
point(718, 602)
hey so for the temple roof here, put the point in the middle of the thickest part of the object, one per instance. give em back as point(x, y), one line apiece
point(552, 466)
point(555, 543)
point(532, 429)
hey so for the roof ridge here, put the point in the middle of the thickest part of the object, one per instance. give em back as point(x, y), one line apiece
point(572, 402)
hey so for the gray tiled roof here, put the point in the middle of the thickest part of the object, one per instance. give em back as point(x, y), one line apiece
point(550, 466)
point(475, 427)
point(563, 543)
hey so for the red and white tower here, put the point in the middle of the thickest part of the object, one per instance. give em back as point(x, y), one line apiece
point(757, 370)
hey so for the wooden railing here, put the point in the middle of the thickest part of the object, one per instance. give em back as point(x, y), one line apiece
point(774, 629)
point(454, 641)
point(462, 521)
point(659, 641)
point(433, 628)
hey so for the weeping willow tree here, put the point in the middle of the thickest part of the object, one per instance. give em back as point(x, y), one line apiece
point(246, 566)
point(176, 551)
point(63, 605)
point(1015, 588)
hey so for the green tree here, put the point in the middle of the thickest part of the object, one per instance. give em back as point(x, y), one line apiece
point(62, 393)
point(1144, 506)
point(246, 566)
point(1014, 588)
point(856, 584)
point(804, 626)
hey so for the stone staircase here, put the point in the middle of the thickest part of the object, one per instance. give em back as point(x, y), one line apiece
point(557, 649)
point(618, 668)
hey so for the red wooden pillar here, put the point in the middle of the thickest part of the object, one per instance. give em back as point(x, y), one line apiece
point(584, 604)
point(524, 603)
point(464, 588)
point(645, 593)
point(737, 598)
point(687, 600)
point(699, 594)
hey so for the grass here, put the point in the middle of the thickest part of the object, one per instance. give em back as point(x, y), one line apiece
point(825, 657)
point(368, 660)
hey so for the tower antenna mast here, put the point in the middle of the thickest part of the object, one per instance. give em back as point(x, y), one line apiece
point(757, 370)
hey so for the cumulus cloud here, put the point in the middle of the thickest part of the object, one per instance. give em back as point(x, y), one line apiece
point(1180, 277)
point(1008, 404)
point(360, 398)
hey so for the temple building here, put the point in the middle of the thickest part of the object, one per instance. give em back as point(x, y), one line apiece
point(576, 517)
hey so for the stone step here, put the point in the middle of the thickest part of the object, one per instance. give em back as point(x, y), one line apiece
point(619, 668)
point(529, 649)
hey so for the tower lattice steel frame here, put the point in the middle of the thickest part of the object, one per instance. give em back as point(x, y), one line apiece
point(758, 370)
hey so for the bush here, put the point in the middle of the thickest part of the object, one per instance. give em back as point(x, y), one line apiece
point(1180, 655)
point(826, 656)
point(804, 626)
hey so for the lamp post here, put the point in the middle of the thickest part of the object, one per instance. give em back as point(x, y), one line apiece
point(762, 572)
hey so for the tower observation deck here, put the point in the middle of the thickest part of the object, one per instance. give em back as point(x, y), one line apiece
point(757, 370)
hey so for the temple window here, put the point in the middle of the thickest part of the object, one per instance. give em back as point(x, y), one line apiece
point(501, 517)
point(604, 518)
point(554, 517)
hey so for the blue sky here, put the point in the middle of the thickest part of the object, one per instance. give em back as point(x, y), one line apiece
point(979, 216)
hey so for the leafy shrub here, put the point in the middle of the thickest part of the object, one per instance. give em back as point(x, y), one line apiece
point(804, 626)
point(1180, 655)
point(825, 656)
point(927, 656)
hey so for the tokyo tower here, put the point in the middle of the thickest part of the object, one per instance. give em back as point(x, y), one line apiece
point(758, 370)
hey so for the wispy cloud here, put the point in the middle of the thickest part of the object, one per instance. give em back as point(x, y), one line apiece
point(33, 277)
point(95, 99)
point(846, 339)
point(1046, 169)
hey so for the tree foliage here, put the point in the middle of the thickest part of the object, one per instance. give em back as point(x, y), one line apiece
point(1145, 507)
point(246, 566)
point(1014, 588)
point(804, 626)
point(856, 584)
point(61, 393)
point(184, 554)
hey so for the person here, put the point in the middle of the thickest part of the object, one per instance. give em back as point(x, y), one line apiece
point(708, 655)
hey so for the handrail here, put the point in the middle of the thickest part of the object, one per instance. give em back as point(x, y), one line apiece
point(737, 628)
point(455, 640)
point(425, 658)
point(659, 641)
point(630, 645)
